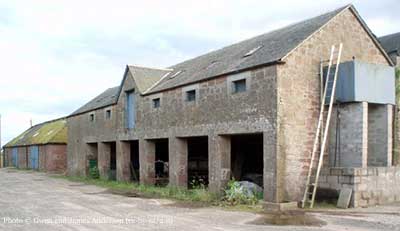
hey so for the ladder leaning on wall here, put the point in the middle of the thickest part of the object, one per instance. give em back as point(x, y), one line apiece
point(328, 94)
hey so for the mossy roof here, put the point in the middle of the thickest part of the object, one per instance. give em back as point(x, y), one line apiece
point(54, 132)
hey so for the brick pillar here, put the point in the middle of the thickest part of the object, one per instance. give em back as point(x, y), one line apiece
point(147, 156)
point(219, 164)
point(103, 161)
point(178, 161)
point(123, 161)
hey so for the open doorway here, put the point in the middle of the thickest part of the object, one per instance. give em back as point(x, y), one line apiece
point(113, 161)
point(135, 166)
point(197, 161)
point(92, 157)
point(161, 162)
point(247, 158)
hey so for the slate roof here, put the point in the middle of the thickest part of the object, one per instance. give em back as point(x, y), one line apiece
point(391, 43)
point(146, 77)
point(54, 132)
point(267, 48)
point(273, 46)
point(107, 98)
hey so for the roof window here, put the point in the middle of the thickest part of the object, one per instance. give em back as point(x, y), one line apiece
point(252, 51)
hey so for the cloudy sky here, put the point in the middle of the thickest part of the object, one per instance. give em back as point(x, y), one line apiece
point(55, 55)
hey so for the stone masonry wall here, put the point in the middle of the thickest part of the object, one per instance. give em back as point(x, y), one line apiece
point(82, 131)
point(216, 112)
point(352, 138)
point(299, 93)
point(371, 186)
point(379, 135)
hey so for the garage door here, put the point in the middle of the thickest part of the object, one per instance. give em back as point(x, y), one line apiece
point(15, 157)
point(34, 158)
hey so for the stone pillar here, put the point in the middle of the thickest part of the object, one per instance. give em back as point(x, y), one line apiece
point(219, 164)
point(390, 120)
point(274, 171)
point(147, 156)
point(104, 159)
point(178, 162)
point(123, 161)
point(353, 125)
point(380, 138)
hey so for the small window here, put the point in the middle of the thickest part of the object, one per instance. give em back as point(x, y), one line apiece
point(191, 95)
point(91, 117)
point(239, 85)
point(156, 103)
point(108, 114)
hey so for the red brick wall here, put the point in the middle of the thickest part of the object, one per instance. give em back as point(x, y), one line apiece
point(55, 157)
point(22, 157)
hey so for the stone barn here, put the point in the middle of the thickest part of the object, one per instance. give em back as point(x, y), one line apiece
point(42, 147)
point(248, 111)
point(391, 43)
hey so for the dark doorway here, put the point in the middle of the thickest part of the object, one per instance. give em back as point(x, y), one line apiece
point(161, 162)
point(135, 166)
point(247, 158)
point(113, 161)
point(92, 157)
point(197, 161)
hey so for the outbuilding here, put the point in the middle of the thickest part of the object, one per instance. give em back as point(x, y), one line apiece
point(42, 147)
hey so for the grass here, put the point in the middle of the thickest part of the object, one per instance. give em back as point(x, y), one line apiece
point(198, 197)
point(181, 194)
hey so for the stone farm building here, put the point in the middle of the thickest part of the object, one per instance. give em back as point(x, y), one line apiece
point(247, 111)
point(42, 147)
point(391, 43)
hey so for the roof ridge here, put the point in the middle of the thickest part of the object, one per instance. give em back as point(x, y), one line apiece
point(153, 68)
point(389, 35)
point(49, 121)
point(263, 34)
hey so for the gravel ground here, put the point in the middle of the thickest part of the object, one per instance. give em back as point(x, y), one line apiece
point(35, 201)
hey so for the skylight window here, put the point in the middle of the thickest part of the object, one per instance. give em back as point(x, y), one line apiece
point(175, 74)
point(252, 51)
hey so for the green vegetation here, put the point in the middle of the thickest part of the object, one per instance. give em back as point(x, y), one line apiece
point(235, 195)
point(49, 132)
point(198, 195)
point(94, 173)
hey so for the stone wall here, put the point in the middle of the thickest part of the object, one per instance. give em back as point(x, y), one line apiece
point(371, 186)
point(82, 131)
point(349, 139)
point(299, 93)
point(380, 135)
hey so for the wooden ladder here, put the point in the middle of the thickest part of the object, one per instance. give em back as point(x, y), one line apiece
point(328, 94)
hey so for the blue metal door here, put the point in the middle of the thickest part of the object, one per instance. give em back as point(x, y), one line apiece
point(130, 109)
point(34, 157)
point(15, 157)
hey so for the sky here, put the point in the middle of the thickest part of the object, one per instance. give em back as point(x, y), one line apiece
point(55, 55)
